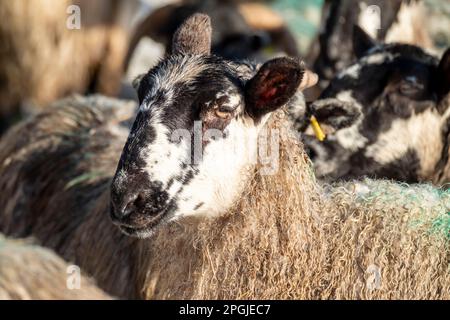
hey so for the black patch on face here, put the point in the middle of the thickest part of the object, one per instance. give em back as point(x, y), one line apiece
point(135, 199)
point(186, 177)
point(142, 134)
point(190, 98)
point(198, 206)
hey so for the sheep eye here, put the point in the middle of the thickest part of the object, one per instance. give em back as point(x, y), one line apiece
point(410, 86)
point(222, 109)
point(222, 114)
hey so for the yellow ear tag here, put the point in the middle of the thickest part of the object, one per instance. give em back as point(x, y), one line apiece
point(317, 129)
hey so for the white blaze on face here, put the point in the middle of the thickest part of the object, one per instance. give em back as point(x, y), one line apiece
point(223, 171)
point(164, 157)
point(377, 58)
point(352, 71)
point(421, 133)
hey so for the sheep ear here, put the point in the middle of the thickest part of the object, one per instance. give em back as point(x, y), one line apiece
point(193, 36)
point(444, 74)
point(272, 87)
point(335, 114)
point(362, 41)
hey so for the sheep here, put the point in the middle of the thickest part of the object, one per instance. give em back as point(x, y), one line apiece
point(28, 271)
point(387, 116)
point(225, 226)
point(386, 20)
point(39, 51)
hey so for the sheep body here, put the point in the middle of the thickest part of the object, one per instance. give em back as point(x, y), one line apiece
point(28, 271)
point(287, 237)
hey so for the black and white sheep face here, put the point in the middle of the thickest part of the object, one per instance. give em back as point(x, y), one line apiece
point(402, 94)
point(196, 133)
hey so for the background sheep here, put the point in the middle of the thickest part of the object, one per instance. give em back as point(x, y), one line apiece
point(43, 60)
point(392, 108)
point(28, 271)
point(283, 236)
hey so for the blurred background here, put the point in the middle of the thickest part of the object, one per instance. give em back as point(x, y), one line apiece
point(53, 48)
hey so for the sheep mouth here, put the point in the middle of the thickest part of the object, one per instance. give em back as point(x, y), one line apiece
point(142, 231)
point(138, 232)
point(145, 229)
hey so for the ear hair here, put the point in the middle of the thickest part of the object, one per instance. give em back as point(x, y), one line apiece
point(193, 36)
point(362, 41)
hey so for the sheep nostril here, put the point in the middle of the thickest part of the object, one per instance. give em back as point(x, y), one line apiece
point(134, 204)
point(139, 205)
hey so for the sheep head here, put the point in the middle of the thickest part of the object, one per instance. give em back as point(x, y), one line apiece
point(402, 133)
point(195, 135)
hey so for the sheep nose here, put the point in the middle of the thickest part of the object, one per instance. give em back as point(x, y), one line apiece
point(135, 208)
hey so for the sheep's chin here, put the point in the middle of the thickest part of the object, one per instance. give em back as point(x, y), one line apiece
point(140, 233)
point(147, 230)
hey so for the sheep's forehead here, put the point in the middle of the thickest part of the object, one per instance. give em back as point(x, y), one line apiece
point(167, 75)
point(385, 56)
point(187, 71)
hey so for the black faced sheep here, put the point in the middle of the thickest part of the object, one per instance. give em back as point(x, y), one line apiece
point(391, 110)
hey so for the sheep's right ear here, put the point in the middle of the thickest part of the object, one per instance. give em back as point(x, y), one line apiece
point(193, 36)
point(362, 41)
point(275, 83)
point(335, 114)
